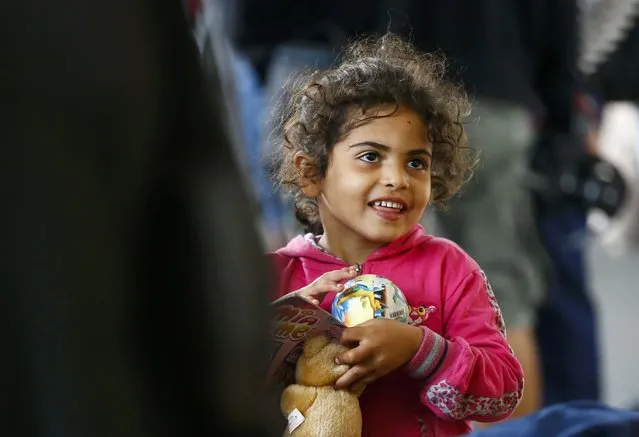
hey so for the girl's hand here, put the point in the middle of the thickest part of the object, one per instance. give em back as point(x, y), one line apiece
point(379, 347)
point(328, 282)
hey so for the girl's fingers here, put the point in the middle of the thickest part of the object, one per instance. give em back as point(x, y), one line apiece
point(331, 282)
point(360, 352)
point(340, 275)
point(352, 337)
point(330, 287)
point(352, 376)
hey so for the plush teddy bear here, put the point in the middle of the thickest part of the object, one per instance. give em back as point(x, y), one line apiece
point(313, 407)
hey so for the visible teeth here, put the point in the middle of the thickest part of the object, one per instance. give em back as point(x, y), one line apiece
point(387, 204)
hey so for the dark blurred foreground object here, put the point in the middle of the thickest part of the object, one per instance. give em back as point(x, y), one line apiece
point(574, 419)
point(131, 275)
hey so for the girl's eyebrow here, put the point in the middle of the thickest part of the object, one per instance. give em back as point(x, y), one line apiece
point(385, 148)
point(420, 152)
point(373, 144)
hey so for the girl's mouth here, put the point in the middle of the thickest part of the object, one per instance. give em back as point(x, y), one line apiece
point(388, 204)
point(388, 210)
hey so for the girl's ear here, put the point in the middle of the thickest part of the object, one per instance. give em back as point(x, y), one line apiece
point(307, 170)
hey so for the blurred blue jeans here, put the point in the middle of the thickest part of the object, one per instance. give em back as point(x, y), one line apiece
point(574, 419)
point(251, 108)
point(566, 322)
point(287, 61)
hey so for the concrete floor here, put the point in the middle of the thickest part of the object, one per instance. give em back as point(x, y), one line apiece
point(615, 284)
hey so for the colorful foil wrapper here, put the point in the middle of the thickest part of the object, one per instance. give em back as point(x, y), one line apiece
point(369, 296)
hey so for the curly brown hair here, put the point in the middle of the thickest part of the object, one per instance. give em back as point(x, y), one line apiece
point(371, 72)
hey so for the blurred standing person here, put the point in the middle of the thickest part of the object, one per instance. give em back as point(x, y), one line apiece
point(518, 60)
point(567, 326)
point(567, 329)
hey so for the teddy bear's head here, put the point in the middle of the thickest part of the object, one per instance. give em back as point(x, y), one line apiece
point(316, 366)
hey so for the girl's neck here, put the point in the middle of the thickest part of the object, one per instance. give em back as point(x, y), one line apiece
point(352, 251)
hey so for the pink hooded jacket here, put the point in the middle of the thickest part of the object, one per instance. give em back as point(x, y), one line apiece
point(464, 370)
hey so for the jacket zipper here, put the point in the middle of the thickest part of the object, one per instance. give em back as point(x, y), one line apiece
point(358, 267)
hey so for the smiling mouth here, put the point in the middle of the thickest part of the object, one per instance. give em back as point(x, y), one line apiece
point(386, 204)
point(388, 210)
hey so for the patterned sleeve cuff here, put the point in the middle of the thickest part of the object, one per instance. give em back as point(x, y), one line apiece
point(429, 357)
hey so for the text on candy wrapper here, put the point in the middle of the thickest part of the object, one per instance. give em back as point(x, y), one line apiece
point(397, 314)
point(293, 323)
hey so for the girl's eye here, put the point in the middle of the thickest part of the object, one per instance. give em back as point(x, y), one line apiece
point(369, 157)
point(417, 164)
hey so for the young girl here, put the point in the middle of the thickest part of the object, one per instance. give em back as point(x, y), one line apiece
point(365, 147)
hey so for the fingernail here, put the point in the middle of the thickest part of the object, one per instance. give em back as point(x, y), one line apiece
point(340, 285)
point(337, 361)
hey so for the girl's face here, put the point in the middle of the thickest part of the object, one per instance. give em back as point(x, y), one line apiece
point(377, 183)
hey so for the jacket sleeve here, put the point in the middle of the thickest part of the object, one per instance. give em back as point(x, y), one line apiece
point(470, 372)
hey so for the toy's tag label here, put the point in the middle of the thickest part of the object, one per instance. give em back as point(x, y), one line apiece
point(295, 419)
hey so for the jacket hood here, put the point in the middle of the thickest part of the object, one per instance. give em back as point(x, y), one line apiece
point(305, 247)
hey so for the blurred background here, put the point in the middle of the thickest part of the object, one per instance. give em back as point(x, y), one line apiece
point(134, 189)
